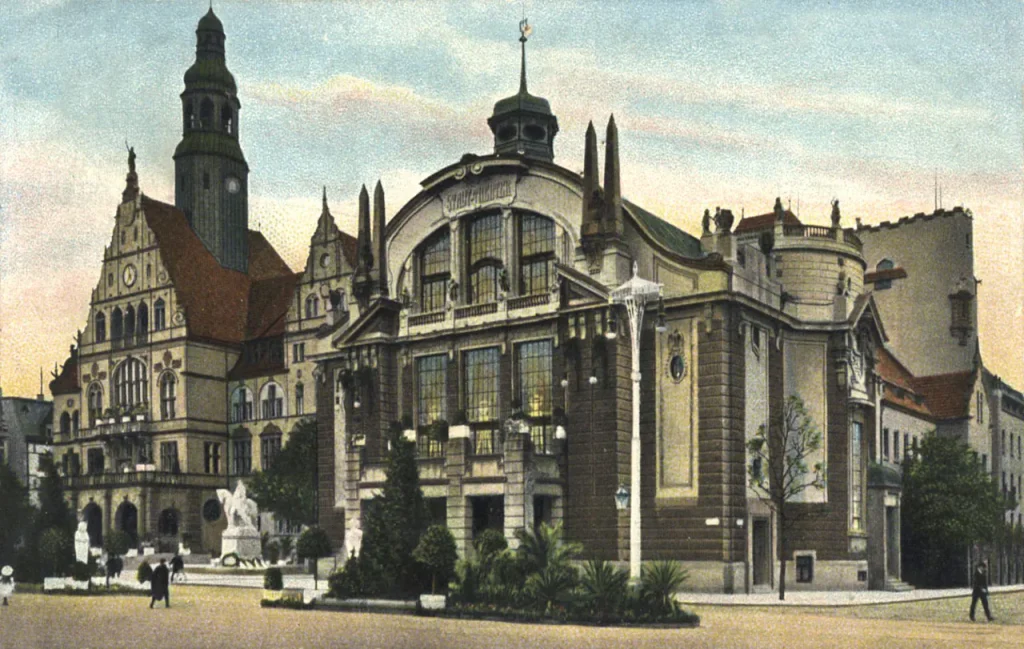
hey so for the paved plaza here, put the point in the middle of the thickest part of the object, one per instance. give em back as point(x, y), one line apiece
point(203, 616)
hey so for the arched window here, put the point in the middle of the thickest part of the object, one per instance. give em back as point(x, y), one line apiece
point(536, 254)
point(95, 403)
point(435, 270)
point(100, 327)
point(131, 387)
point(189, 117)
point(74, 424)
point(129, 324)
point(484, 245)
point(168, 395)
point(300, 397)
point(312, 306)
point(270, 445)
point(206, 113)
point(271, 401)
point(885, 282)
point(159, 315)
point(142, 323)
point(241, 405)
point(226, 119)
point(65, 426)
point(116, 325)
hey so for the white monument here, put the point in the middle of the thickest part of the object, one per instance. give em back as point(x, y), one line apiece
point(353, 539)
point(241, 536)
point(82, 543)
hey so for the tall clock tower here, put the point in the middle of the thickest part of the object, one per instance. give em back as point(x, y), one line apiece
point(211, 175)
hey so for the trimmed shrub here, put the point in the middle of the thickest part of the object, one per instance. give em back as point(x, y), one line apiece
point(272, 552)
point(56, 551)
point(436, 551)
point(314, 544)
point(273, 579)
point(81, 571)
point(144, 572)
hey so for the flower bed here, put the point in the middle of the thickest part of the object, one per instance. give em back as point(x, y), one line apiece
point(563, 615)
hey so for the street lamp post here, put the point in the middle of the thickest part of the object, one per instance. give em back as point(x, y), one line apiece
point(635, 294)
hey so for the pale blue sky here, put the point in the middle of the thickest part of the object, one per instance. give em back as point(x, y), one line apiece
point(718, 103)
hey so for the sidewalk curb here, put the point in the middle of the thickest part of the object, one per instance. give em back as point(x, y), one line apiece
point(736, 600)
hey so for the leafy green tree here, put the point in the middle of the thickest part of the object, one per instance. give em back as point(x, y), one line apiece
point(436, 550)
point(53, 508)
point(950, 502)
point(548, 560)
point(780, 469)
point(394, 522)
point(314, 543)
point(15, 512)
point(56, 551)
point(287, 488)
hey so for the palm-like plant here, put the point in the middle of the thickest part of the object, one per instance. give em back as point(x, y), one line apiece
point(545, 547)
point(659, 581)
point(604, 587)
point(552, 584)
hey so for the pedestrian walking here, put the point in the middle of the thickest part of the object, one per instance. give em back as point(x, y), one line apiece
point(177, 568)
point(6, 583)
point(980, 590)
point(159, 585)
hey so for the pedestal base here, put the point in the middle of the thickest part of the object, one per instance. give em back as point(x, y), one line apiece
point(244, 543)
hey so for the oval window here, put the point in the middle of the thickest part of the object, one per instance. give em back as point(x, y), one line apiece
point(677, 367)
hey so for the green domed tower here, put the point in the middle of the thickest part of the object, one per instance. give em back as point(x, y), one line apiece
point(524, 124)
point(211, 175)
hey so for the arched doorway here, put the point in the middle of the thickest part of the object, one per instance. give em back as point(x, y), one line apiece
point(167, 524)
point(127, 520)
point(93, 517)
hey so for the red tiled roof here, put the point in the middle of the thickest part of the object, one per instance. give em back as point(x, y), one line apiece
point(67, 381)
point(891, 273)
point(220, 304)
point(900, 386)
point(948, 396)
point(764, 222)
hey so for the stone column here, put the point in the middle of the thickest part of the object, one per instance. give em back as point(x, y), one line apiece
point(518, 495)
point(459, 513)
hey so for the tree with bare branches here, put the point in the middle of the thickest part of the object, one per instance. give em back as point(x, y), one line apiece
point(781, 468)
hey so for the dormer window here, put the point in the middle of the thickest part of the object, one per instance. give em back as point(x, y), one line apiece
point(435, 271)
point(484, 258)
point(536, 253)
point(882, 284)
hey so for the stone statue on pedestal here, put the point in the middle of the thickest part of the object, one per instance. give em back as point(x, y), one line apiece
point(241, 536)
point(82, 543)
point(354, 539)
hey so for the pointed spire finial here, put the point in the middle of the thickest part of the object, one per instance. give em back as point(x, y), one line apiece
point(325, 197)
point(525, 29)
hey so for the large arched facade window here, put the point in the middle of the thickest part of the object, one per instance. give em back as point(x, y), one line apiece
point(241, 405)
point(168, 395)
point(536, 254)
point(272, 401)
point(206, 114)
point(131, 385)
point(95, 400)
point(65, 426)
point(100, 328)
point(484, 243)
point(129, 323)
point(435, 270)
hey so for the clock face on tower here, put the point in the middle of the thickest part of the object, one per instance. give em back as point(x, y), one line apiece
point(129, 275)
point(233, 185)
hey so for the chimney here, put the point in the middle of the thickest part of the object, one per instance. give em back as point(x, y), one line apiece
point(612, 188)
point(378, 238)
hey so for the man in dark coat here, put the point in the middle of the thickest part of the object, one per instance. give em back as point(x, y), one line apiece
point(980, 590)
point(159, 585)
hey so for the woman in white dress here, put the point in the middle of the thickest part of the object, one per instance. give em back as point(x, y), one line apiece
point(6, 583)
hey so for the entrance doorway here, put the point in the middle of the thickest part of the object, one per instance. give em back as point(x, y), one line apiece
point(761, 546)
point(93, 517)
point(127, 520)
point(892, 543)
point(488, 513)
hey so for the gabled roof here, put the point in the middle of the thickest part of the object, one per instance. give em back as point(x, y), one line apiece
point(221, 304)
point(584, 281)
point(764, 222)
point(668, 235)
point(865, 302)
point(900, 388)
point(948, 396)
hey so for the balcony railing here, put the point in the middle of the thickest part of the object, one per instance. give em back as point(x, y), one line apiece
point(144, 478)
point(476, 310)
point(823, 232)
point(426, 318)
point(527, 301)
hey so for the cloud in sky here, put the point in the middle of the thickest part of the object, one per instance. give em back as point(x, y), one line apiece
point(719, 103)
